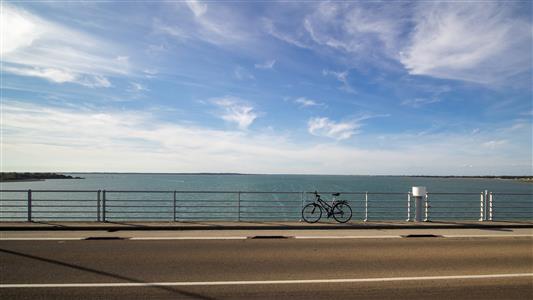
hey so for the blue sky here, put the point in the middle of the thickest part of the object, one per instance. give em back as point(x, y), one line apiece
point(267, 87)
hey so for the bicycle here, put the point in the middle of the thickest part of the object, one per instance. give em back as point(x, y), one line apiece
point(340, 210)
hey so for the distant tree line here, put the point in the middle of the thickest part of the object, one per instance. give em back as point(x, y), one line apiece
point(19, 176)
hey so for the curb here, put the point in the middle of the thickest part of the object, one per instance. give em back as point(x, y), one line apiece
point(257, 227)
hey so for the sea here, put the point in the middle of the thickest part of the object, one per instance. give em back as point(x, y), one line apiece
point(176, 197)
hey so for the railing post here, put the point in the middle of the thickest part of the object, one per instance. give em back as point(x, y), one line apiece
point(485, 199)
point(491, 198)
point(301, 209)
point(98, 205)
point(481, 206)
point(366, 207)
point(408, 206)
point(103, 206)
point(29, 205)
point(426, 208)
point(174, 207)
point(239, 206)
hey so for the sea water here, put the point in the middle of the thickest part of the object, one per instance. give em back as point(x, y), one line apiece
point(198, 197)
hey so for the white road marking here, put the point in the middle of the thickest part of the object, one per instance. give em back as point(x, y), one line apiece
point(259, 282)
point(348, 237)
point(147, 238)
point(486, 235)
point(155, 238)
point(42, 239)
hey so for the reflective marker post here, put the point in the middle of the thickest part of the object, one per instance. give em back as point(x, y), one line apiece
point(419, 192)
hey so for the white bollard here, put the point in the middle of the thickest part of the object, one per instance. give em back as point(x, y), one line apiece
point(418, 192)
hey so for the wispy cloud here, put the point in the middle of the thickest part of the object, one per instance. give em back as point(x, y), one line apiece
point(269, 64)
point(137, 87)
point(33, 46)
point(419, 102)
point(468, 41)
point(40, 138)
point(331, 129)
point(236, 111)
point(305, 102)
point(197, 7)
point(342, 77)
point(242, 73)
point(209, 22)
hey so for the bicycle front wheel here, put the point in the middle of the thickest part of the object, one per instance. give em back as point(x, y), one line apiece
point(311, 213)
point(342, 212)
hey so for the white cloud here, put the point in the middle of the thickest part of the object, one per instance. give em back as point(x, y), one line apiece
point(472, 41)
point(332, 129)
point(236, 111)
point(341, 77)
point(494, 144)
point(197, 7)
point(269, 64)
point(61, 76)
point(220, 26)
point(137, 87)
point(41, 138)
point(357, 31)
point(242, 74)
point(305, 102)
point(419, 102)
point(36, 47)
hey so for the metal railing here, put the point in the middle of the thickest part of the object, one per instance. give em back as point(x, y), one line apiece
point(124, 205)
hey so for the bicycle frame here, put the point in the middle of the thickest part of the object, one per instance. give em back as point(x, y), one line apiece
point(326, 206)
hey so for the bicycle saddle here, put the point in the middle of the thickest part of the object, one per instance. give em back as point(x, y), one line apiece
point(336, 194)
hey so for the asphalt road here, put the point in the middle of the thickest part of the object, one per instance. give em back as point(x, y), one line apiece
point(180, 262)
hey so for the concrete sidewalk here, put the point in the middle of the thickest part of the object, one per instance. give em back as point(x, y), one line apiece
point(206, 225)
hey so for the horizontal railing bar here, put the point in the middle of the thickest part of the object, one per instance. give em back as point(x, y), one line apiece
point(9, 205)
point(183, 212)
point(513, 194)
point(63, 200)
point(402, 207)
point(272, 206)
point(13, 191)
point(145, 200)
point(179, 192)
point(61, 191)
point(12, 200)
point(453, 193)
point(60, 217)
point(207, 201)
point(139, 206)
point(512, 202)
point(143, 218)
point(52, 205)
point(272, 200)
point(62, 212)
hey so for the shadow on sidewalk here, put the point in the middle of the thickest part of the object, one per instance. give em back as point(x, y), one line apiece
point(173, 290)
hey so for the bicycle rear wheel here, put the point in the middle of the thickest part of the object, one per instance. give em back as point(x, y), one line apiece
point(342, 212)
point(311, 213)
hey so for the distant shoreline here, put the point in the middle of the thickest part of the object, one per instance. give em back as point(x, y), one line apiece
point(38, 176)
point(27, 176)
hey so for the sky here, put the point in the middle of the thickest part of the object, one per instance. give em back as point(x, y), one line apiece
point(277, 87)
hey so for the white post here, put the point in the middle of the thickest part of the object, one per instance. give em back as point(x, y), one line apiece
point(491, 198)
point(486, 206)
point(366, 206)
point(426, 208)
point(481, 206)
point(409, 207)
point(418, 192)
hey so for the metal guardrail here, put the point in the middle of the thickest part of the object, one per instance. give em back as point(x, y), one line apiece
point(122, 205)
